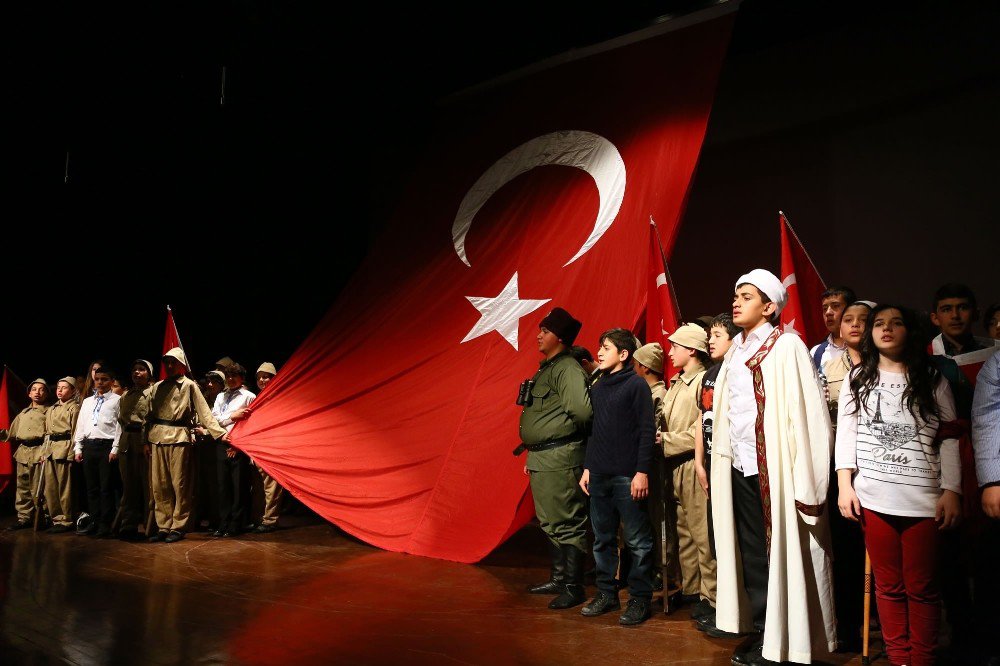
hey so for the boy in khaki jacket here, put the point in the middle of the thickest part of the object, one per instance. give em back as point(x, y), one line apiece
point(60, 423)
point(28, 432)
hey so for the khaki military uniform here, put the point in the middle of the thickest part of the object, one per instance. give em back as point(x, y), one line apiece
point(28, 432)
point(173, 405)
point(560, 410)
point(60, 424)
point(680, 418)
point(273, 494)
point(132, 461)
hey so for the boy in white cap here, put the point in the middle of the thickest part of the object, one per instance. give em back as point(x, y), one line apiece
point(679, 421)
point(27, 431)
point(133, 454)
point(60, 423)
point(769, 476)
point(648, 363)
point(173, 404)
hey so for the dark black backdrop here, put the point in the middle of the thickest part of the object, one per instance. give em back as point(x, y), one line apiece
point(873, 128)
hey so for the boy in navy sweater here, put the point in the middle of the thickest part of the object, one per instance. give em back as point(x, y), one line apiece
point(615, 475)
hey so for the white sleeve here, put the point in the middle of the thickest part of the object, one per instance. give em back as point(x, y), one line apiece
point(846, 449)
point(951, 462)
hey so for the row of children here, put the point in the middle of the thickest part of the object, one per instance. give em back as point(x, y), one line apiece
point(759, 423)
point(139, 441)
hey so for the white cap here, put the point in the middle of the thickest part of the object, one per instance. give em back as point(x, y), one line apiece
point(768, 284)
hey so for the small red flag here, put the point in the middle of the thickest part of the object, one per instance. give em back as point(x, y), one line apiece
point(662, 314)
point(6, 454)
point(803, 313)
point(171, 339)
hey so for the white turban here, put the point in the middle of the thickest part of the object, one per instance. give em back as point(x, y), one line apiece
point(768, 284)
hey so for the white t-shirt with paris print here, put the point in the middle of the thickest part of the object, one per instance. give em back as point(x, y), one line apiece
point(899, 469)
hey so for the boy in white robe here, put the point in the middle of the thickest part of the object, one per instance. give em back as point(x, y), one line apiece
point(770, 472)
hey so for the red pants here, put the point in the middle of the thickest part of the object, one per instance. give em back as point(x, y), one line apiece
point(904, 555)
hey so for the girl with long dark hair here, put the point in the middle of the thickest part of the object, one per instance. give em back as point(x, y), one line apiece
point(899, 471)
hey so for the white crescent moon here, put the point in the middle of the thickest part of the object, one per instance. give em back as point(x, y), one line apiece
point(583, 150)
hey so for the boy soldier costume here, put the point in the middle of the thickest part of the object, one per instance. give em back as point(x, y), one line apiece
point(273, 492)
point(678, 420)
point(174, 402)
point(27, 431)
point(60, 424)
point(133, 462)
point(554, 425)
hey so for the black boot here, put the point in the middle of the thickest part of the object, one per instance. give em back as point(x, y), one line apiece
point(573, 593)
point(555, 582)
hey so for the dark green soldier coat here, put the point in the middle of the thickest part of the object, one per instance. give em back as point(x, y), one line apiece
point(560, 408)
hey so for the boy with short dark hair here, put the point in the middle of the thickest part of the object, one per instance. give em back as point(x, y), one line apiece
point(615, 475)
point(232, 465)
point(133, 454)
point(833, 301)
point(60, 423)
point(96, 446)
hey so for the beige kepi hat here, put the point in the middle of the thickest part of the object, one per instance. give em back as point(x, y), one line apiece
point(651, 356)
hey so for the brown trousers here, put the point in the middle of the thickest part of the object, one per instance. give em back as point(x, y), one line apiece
point(273, 494)
point(134, 468)
point(28, 477)
point(59, 491)
point(698, 569)
point(172, 480)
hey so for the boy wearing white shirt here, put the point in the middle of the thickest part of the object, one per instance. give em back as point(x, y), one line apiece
point(231, 464)
point(96, 446)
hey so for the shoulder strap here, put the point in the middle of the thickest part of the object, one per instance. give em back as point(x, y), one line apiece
point(818, 354)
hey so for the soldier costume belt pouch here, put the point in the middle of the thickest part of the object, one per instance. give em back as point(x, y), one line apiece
point(545, 446)
point(168, 422)
point(59, 436)
point(133, 427)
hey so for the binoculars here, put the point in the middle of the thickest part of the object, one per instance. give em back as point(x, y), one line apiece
point(524, 397)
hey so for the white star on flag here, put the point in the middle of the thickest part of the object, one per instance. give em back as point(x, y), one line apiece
point(501, 314)
point(790, 328)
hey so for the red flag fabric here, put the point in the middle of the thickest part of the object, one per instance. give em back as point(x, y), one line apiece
point(396, 417)
point(6, 454)
point(662, 315)
point(171, 339)
point(13, 398)
point(803, 313)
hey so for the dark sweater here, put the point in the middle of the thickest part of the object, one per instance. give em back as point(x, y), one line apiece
point(624, 432)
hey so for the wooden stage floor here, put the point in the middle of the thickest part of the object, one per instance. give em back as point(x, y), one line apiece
point(306, 594)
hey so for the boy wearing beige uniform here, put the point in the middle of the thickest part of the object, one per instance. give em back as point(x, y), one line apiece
point(173, 404)
point(681, 417)
point(273, 493)
point(60, 423)
point(27, 431)
point(133, 453)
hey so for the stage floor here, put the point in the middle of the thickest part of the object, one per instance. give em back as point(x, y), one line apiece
point(306, 594)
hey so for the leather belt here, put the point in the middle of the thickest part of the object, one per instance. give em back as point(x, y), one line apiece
point(168, 422)
point(59, 436)
point(545, 446)
point(133, 427)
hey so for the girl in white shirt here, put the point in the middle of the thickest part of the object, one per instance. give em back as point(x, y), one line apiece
point(899, 471)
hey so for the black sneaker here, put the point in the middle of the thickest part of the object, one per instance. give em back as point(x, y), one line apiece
point(159, 536)
point(174, 537)
point(702, 609)
point(601, 604)
point(266, 529)
point(60, 529)
point(19, 525)
point(636, 613)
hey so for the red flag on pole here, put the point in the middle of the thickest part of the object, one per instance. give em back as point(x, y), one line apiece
point(6, 409)
point(803, 313)
point(171, 339)
point(396, 418)
point(662, 314)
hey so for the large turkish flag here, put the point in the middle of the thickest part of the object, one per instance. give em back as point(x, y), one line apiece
point(395, 419)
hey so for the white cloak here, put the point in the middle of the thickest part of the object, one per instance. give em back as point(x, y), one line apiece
point(798, 440)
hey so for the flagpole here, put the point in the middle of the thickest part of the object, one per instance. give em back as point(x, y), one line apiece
point(796, 236)
point(666, 269)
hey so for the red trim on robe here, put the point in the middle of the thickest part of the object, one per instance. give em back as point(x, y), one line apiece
point(758, 392)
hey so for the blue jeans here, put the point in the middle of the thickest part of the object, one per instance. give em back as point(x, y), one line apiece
point(610, 502)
